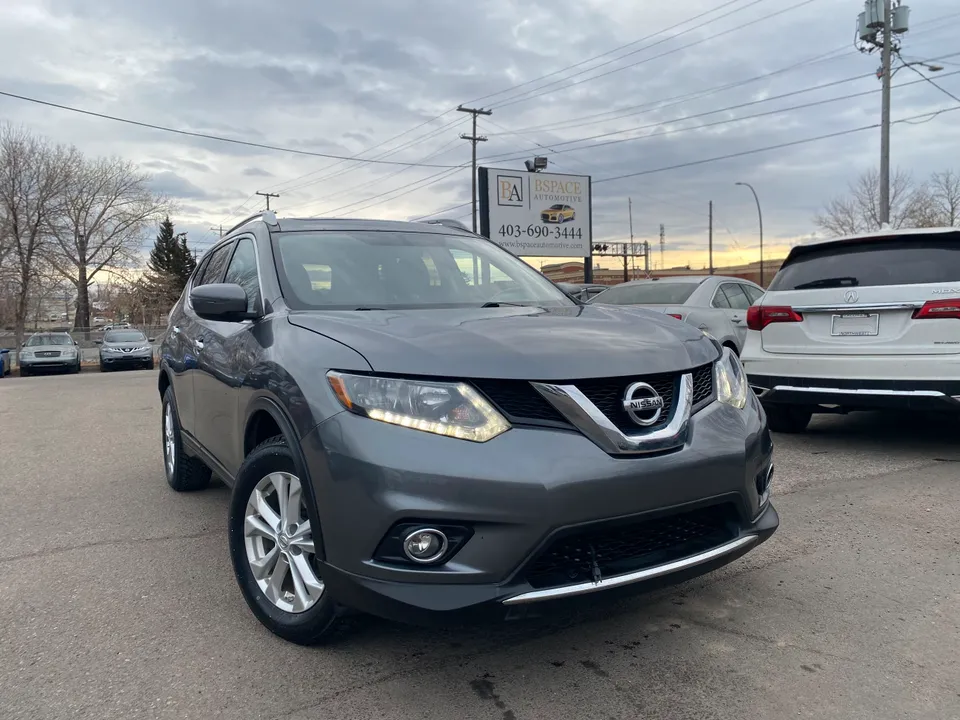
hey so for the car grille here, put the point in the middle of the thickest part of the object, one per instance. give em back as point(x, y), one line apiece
point(630, 547)
point(48, 353)
point(521, 403)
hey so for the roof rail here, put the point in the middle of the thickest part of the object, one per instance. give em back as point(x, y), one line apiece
point(268, 216)
point(448, 222)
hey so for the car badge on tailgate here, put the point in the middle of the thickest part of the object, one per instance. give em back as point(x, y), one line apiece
point(851, 296)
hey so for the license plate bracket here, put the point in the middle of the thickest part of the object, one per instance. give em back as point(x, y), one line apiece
point(855, 325)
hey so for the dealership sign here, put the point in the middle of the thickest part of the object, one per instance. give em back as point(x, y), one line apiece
point(533, 213)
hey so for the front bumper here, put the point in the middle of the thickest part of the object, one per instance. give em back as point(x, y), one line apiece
point(127, 359)
point(521, 493)
point(57, 363)
point(857, 394)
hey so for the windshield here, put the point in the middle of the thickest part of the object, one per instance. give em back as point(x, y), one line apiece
point(652, 293)
point(905, 260)
point(122, 336)
point(49, 340)
point(374, 270)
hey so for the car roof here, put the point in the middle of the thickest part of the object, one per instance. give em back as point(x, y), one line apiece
point(683, 279)
point(816, 244)
point(354, 224)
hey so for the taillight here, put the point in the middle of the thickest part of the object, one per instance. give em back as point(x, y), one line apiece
point(759, 316)
point(938, 309)
point(678, 316)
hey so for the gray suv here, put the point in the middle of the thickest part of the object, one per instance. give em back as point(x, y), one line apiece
point(49, 351)
point(416, 424)
point(127, 348)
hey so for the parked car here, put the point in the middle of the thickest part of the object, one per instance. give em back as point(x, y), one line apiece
point(862, 322)
point(125, 349)
point(582, 291)
point(713, 303)
point(49, 351)
point(558, 214)
point(404, 441)
point(116, 326)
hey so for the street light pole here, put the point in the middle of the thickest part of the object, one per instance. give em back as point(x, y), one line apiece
point(885, 117)
point(760, 216)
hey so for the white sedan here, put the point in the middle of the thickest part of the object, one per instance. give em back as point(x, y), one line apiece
point(714, 303)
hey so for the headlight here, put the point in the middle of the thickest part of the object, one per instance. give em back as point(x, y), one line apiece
point(70, 352)
point(451, 409)
point(27, 354)
point(731, 380)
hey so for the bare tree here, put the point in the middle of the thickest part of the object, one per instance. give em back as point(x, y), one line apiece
point(33, 176)
point(859, 210)
point(943, 200)
point(108, 206)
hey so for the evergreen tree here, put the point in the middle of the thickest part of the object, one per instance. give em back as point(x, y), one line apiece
point(169, 266)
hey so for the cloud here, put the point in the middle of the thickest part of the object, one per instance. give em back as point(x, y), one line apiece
point(383, 80)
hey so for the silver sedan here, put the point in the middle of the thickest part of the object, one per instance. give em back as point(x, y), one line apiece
point(714, 303)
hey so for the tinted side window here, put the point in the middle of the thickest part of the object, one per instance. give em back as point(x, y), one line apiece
point(737, 297)
point(720, 299)
point(243, 271)
point(752, 292)
point(214, 267)
point(905, 260)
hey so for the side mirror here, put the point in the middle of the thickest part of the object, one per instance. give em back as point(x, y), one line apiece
point(76, 343)
point(151, 339)
point(98, 342)
point(23, 345)
point(220, 301)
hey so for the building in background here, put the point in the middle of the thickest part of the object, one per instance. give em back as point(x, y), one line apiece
point(572, 272)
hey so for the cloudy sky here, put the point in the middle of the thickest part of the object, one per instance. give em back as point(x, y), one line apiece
point(601, 87)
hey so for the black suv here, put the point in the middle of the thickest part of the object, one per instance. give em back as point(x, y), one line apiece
point(415, 423)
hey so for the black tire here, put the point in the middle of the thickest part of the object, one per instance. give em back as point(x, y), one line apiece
point(150, 364)
point(76, 370)
point(733, 348)
point(24, 372)
point(321, 621)
point(187, 474)
point(788, 418)
point(102, 368)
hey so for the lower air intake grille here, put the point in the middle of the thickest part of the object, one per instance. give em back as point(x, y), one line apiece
point(629, 547)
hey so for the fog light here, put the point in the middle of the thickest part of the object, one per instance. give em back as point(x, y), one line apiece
point(425, 545)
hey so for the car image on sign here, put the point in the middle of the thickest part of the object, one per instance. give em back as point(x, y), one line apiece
point(558, 214)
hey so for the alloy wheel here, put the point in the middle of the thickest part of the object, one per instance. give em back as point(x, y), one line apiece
point(279, 544)
point(169, 440)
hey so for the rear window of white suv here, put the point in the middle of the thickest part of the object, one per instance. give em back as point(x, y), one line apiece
point(894, 260)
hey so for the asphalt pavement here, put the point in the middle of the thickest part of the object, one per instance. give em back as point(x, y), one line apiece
point(117, 599)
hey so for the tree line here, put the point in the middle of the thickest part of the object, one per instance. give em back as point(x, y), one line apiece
point(934, 202)
point(68, 221)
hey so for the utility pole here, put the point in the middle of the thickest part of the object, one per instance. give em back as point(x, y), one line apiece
point(626, 273)
point(663, 242)
point(885, 119)
point(881, 16)
point(474, 139)
point(221, 230)
point(711, 237)
point(646, 258)
point(268, 196)
point(760, 216)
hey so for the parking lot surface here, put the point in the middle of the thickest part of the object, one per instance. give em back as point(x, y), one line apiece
point(117, 598)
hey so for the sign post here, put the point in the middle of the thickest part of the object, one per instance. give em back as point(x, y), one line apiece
point(538, 214)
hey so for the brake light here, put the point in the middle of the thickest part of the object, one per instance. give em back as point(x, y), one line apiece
point(938, 309)
point(758, 316)
point(678, 316)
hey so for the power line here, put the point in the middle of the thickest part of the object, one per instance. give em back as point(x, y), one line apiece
point(780, 146)
point(206, 136)
point(929, 80)
point(661, 55)
point(604, 54)
point(441, 212)
point(727, 121)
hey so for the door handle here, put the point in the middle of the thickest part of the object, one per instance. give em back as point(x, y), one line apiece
point(198, 343)
point(176, 329)
point(736, 318)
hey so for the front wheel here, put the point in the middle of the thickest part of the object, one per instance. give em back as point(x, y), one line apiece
point(788, 418)
point(273, 545)
point(184, 473)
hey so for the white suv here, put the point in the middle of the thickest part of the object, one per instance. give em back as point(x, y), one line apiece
point(863, 322)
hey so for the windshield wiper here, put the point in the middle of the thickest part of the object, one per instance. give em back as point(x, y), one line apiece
point(828, 282)
point(497, 303)
point(360, 309)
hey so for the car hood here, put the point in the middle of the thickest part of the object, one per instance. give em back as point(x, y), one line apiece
point(516, 342)
point(126, 345)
